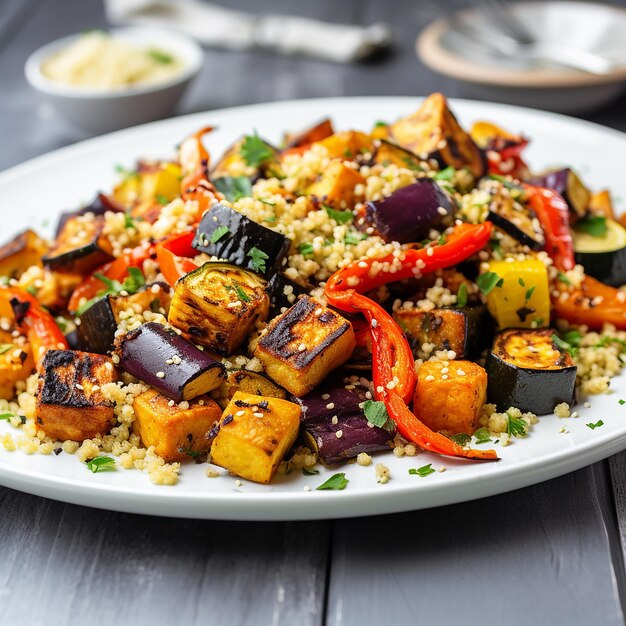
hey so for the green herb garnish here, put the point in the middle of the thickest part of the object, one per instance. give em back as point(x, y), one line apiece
point(596, 425)
point(101, 464)
point(132, 283)
point(241, 294)
point(5, 347)
point(129, 222)
point(218, 233)
point(7, 416)
point(341, 217)
point(335, 482)
point(376, 413)
point(255, 151)
point(529, 293)
point(160, 57)
point(594, 225)
point(563, 344)
point(257, 259)
point(482, 435)
point(461, 438)
point(507, 183)
point(563, 278)
point(521, 282)
point(352, 239)
point(423, 471)
point(621, 402)
point(446, 174)
point(380, 123)
point(305, 249)
point(516, 427)
point(161, 199)
point(234, 187)
point(488, 281)
point(461, 296)
point(310, 472)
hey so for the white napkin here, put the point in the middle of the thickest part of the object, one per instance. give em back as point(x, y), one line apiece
point(219, 27)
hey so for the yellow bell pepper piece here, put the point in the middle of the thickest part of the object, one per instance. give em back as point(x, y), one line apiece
point(523, 299)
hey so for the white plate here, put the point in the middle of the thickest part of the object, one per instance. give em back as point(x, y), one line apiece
point(35, 192)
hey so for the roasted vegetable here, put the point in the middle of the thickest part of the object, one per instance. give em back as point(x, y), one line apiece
point(463, 330)
point(283, 293)
point(98, 323)
point(305, 138)
point(254, 434)
point(347, 144)
point(517, 293)
point(502, 149)
point(409, 213)
point(70, 401)
point(254, 383)
point(336, 186)
point(603, 257)
point(98, 206)
point(301, 346)
point(449, 395)
point(227, 234)
point(517, 221)
point(567, 184)
point(20, 253)
point(433, 131)
point(527, 370)
point(218, 305)
point(16, 363)
point(80, 247)
point(388, 153)
point(176, 432)
point(602, 204)
point(168, 362)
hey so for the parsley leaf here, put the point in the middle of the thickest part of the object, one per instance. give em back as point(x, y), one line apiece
point(255, 151)
point(101, 464)
point(423, 471)
point(482, 435)
point(516, 427)
point(461, 296)
point(133, 282)
point(161, 199)
point(160, 57)
point(305, 249)
point(621, 402)
point(6, 416)
point(461, 438)
point(380, 123)
point(218, 233)
point(241, 294)
point(234, 187)
point(352, 239)
point(336, 482)
point(446, 174)
point(257, 259)
point(341, 217)
point(564, 345)
point(596, 425)
point(594, 225)
point(310, 472)
point(5, 347)
point(129, 222)
point(376, 413)
point(488, 281)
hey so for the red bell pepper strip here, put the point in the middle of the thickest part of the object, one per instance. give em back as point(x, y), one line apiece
point(39, 327)
point(553, 215)
point(593, 304)
point(172, 256)
point(393, 371)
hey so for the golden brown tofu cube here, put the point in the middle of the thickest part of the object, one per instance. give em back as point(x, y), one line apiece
point(16, 363)
point(301, 346)
point(449, 395)
point(70, 402)
point(18, 255)
point(337, 184)
point(176, 432)
point(254, 434)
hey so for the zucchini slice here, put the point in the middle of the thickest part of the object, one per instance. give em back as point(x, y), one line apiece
point(528, 371)
point(229, 235)
point(603, 257)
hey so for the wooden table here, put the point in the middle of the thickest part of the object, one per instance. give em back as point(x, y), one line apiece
point(548, 554)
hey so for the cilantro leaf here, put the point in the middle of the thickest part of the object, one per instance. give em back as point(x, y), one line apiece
point(336, 482)
point(305, 249)
point(160, 56)
point(380, 123)
point(352, 239)
point(488, 281)
point(218, 233)
point(255, 151)
point(461, 296)
point(101, 464)
point(446, 174)
point(563, 345)
point(341, 217)
point(596, 425)
point(461, 438)
point(257, 259)
point(376, 413)
point(482, 435)
point(234, 187)
point(594, 225)
point(132, 284)
point(423, 471)
point(129, 222)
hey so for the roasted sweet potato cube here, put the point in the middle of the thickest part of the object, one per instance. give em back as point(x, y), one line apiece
point(254, 434)
point(449, 395)
point(70, 402)
point(347, 144)
point(301, 346)
point(16, 363)
point(20, 253)
point(336, 186)
point(176, 432)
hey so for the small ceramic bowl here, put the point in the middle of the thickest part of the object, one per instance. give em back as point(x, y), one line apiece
point(100, 111)
point(590, 26)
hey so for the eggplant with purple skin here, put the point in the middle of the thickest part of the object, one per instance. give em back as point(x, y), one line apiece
point(283, 293)
point(409, 213)
point(568, 185)
point(357, 434)
point(168, 362)
point(98, 206)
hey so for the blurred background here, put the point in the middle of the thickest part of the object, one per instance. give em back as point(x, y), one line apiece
point(473, 56)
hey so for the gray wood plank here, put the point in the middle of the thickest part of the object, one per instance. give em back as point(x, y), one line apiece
point(541, 555)
point(89, 566)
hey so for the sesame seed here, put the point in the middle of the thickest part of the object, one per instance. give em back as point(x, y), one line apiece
point(301, 347)
point(240, 413)
point(160, 374)
point(171, 403)
point(339, 434)
point(318, 312)
point(444, 377)
point(257, 414)
point(330, 406)
point(444, 370)
point(429, 378)
point(334, 420)
point(79, 386)
point(441, 210)
point(169, 361)
point(307, 488)
point(325, 396)
point(238, 483)
point(442, 468)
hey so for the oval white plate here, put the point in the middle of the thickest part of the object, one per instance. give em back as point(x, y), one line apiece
point(35, 192)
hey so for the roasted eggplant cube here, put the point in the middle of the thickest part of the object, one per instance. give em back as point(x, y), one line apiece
point(517, 221)
point(98, 323)
point(336, 186)
point(301, 346)
point(388, 153)
point(254, 434)
point(227, 234)
point(70, 401)
point(168, 362)
point(254, 383)
point(16, 363)
point(528, 371)
point(218, 305)
point(449, 395)
point(446, 329)
point(80, 247)
point(283, 293)
point(433, 131)
point(176, 432)
point(20, 253)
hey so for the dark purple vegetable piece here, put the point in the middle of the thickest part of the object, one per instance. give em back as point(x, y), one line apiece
point(344, 401)
point(152, 354)
point(98, 206)
point(520, 226)
point(408, 214)
point(98, 324)
point(276, 291)
point(567, 184)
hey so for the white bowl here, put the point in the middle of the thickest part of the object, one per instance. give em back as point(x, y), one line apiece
point(590, 26)
point(101, 111)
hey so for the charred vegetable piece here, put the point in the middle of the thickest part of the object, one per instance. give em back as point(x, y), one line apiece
point(227, 234)
point(218, 305)
point(449, 395)
point(567, 184)
point(332, 393)
point(517, 221)
point(336, 186)
point(254, 434)
point(409, 213)
point(16, 363)
point(433, 131)
point(80, 247)
point(18, 255)
point(176, 432)
point(70, 401)
point(603, 257)
point(301, 346)
point(347, 144)
point(388, 153)
point(98, 206)
point(98, 324)
point(517, 293)
point(602, 204)
point(528, 371)
point(304, 138)
point(254, 383)
point(283, 293)
point(463, 330)
point(55, 288)
point(169, 363)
